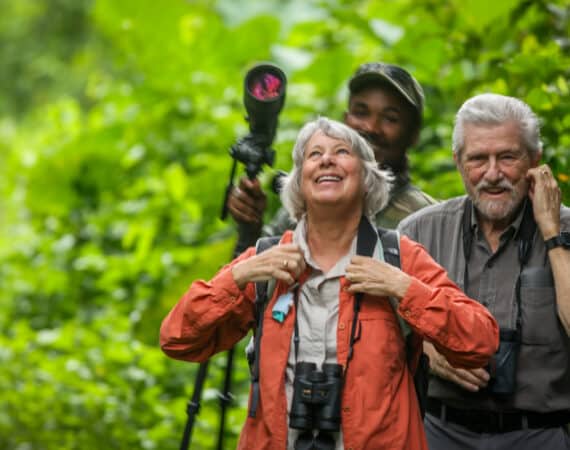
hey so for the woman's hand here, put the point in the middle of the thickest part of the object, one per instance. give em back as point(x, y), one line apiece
point(470, 379)
point(282, 262)
point(378, 278)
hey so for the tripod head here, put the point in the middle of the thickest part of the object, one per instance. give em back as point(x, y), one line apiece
point(263, 98)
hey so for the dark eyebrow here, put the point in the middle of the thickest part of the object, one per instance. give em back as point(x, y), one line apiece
point(392, 109)
point(387, 109)
point(360, 104)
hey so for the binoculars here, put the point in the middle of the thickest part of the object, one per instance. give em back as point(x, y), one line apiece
point(316, 404)
point(503, 366)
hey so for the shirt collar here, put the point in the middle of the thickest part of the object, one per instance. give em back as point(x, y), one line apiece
point(511, 230)
point(300, 238)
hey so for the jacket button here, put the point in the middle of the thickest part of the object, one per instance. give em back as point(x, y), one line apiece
point(341, 326)
point(346, 409)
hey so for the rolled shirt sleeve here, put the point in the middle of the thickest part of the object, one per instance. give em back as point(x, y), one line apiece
point(460, 328)
point(211, 316)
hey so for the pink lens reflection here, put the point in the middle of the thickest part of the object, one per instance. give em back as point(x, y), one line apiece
point(265, 87)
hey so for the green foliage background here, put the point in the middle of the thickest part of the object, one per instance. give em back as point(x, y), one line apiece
point(115, 123)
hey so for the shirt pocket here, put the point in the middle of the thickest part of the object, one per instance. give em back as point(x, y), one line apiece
point(379, 357)
point(380, 330)
point(539, 312)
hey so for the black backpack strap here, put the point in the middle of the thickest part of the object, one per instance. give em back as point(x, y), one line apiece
point(263, 244)
point(365, 243)
point(391, 246)
point(260, 301)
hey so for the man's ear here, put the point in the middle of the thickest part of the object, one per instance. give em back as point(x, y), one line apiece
point(456, 159)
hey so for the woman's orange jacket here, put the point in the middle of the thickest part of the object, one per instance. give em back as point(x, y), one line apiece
point(379, 405)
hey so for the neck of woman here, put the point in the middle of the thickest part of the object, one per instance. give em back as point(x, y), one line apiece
point(329, 236)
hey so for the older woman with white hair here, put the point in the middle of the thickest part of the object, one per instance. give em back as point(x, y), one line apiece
point(331, 357)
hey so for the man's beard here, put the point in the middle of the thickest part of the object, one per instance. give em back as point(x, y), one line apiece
point(498, 210)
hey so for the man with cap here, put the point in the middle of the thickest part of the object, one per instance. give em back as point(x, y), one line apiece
point(385, 105)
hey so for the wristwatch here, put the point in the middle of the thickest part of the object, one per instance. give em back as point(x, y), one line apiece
point(562, 240)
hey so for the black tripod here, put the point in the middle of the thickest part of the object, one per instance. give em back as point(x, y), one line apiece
point(225, 397)
point(193, 407)
point(264, 96)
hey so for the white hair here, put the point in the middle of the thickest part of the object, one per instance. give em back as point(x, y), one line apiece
point(376, 182)
point(495, 109)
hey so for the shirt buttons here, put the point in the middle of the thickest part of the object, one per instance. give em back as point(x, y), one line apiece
point(341, 326)
point(346, 409)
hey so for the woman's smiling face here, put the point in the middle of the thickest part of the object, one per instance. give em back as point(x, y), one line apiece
point(331, 173)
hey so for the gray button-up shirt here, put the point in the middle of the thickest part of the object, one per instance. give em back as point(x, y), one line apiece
point(543, 373)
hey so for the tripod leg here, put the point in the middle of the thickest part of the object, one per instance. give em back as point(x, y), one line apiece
point(225, 398)
point(194, 405)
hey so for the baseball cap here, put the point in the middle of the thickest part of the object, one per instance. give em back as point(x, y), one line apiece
point(393, 75)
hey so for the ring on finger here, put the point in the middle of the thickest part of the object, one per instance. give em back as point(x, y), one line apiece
point(285, 263)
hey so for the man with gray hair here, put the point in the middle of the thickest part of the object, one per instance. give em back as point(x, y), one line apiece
point(507, 244)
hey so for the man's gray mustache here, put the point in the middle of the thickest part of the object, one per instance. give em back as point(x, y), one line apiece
point(504, 184)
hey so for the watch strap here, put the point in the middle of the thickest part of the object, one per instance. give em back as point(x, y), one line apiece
point(562, 240)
